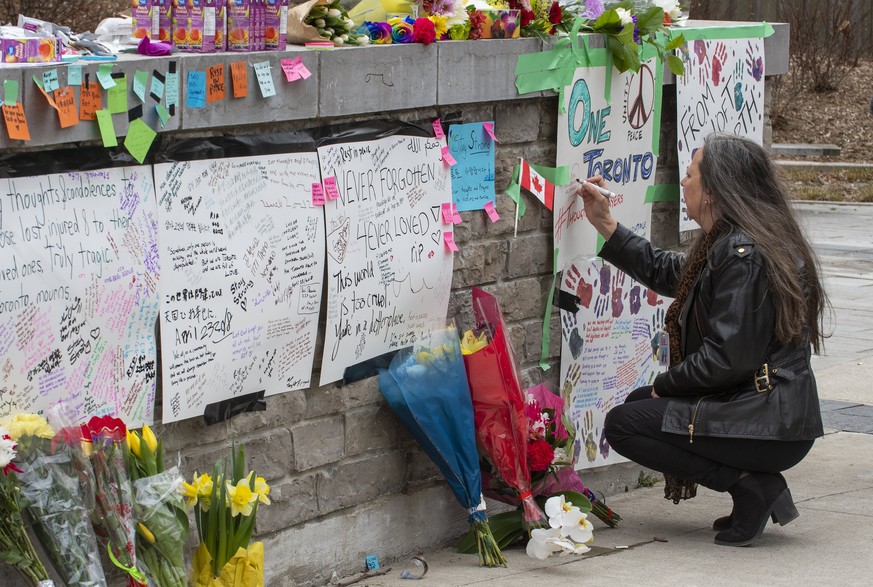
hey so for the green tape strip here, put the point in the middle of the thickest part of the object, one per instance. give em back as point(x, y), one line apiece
point(662, 192)
point(556, 175)
point(607, 90)
point(659, 91)
point(547, 319)
point(554, 69)
point(600, 242)
point(514, 192)
point(742, 31)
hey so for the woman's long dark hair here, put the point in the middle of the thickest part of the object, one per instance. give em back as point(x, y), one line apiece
point(745, 192)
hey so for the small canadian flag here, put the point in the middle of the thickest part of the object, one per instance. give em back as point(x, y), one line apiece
point(537, 185)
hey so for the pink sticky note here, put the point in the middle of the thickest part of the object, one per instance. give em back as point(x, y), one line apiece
point(447, 213)
point(449, 241)
point(317, 195)
point(302, 71)
point(492, 212)
point(447, 157)
point(456, 217)
point(330, 188)
point(289, 66)
point(489, 128)
point(438, 129)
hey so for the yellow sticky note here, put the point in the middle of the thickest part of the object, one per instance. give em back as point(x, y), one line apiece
point(107, 128)
point(139, 139)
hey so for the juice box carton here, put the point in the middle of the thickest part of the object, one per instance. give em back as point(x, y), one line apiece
point(31, 49)
point(240, 25)
point(162, 20)
point(221, 27)
point(194, 26)
point(276, 25)
point(141, 13)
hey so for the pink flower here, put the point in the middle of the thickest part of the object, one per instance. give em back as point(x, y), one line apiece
point(424, 31)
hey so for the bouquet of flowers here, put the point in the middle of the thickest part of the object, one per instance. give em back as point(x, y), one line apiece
point(113, 515)
point(57, 486)
point(550, 457)
point(158, 510)
point(498, 406)
point(225, 506)
point(16, 549)
point(427, 388)
point(322, 20)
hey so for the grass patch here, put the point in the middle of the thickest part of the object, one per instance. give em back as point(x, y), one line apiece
point(842, 185)
point(647, 480)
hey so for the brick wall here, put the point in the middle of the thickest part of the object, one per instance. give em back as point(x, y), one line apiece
point(347, 480)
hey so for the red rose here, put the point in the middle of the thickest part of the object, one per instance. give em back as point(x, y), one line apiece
point(667, 19)
point(540, 455)
point(423, 31)
point(555, 13)
point(527, 17)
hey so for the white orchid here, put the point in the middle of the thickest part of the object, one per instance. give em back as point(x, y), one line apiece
point(557, 508)
point(624, 15)
point(577, 527)
point(544, 542)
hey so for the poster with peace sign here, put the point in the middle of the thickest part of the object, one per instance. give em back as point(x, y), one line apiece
point(609, 128)
point(722, 91)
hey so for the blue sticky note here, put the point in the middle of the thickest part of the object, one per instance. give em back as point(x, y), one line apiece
point(50, 80)
point(173, 88)
point(473, 175)
point(265, 78)
point(104, 75)
point(74, 75)
point(157, 88)
point(196, 89)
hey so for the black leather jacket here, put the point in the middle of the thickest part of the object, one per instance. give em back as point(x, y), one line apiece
point(727, 325)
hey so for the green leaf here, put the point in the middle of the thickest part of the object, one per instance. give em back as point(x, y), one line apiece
point(578, 500)
point(651, 20)
point(502, 526)
point(676, 65)
point(676, 42)
point(623, 56)
point(608, 22)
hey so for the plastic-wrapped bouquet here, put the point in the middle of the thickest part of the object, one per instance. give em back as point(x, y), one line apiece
point(16, 549)
point(57, 486)
point(158, 509)
point(427, 388)
point(499, 406)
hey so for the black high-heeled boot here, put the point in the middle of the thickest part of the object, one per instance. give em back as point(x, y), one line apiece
point(725, 522)
point(757, 497)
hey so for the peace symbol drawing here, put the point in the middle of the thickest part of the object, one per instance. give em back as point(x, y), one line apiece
point(640, 97)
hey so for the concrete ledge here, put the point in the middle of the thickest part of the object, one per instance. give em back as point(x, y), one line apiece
point(347, 81)
point(803, 150)
point(822, 165)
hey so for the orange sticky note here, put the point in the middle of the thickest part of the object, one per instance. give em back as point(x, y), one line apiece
point(44, 93)
point(240, 76)
point(66, 101)
point(215, 83)
point(90, 101)
point(16, 123)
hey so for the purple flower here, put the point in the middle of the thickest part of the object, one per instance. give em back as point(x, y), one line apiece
point(636, 30)
point(593, 9)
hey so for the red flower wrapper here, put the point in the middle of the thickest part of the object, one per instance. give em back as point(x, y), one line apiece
point(499, 406)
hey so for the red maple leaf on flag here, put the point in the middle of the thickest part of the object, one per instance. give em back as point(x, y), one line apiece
point(537, 186)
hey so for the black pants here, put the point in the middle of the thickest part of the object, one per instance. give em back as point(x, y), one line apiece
point(633, 429)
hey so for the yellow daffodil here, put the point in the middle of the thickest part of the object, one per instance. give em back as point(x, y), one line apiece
point(199, 491)
point(29, 425)
point(149, 438)
point(133, 442)
point(241, 498)
point(262, 490)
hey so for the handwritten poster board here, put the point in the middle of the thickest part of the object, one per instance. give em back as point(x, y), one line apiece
point(614, 138)
point(389, 271)
point(78, 293)
point(473, 176)
point(243, 251)
point(722, 91)
point(606, 350)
